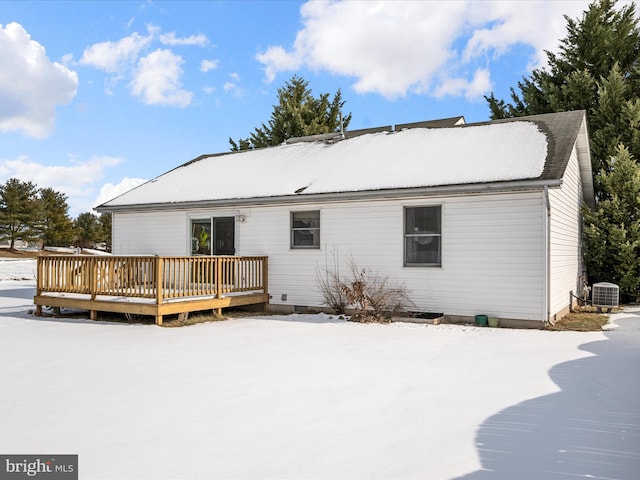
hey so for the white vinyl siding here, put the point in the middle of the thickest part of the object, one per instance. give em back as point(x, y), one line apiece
point(565, 249)
point(156, 233)
point(492, 253)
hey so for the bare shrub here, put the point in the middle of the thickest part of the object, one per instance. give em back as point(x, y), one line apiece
point(373, 297)
point(330, 285)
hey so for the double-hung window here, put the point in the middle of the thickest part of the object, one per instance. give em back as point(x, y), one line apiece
point(423, 236)
point(305, 229)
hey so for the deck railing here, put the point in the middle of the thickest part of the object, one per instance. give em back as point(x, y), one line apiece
point(151, 276)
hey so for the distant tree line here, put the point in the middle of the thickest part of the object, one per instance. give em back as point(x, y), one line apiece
point(41, 215)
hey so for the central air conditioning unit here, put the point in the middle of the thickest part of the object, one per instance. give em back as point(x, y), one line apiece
point(605, 295)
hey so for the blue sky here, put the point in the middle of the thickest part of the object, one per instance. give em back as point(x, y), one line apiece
point(97, 96)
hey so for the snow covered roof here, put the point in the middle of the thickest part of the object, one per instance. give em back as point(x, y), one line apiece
point(527, 148)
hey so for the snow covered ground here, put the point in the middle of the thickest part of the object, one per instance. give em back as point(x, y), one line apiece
point(313, 396)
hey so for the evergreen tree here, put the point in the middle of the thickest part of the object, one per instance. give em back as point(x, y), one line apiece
point(19, 211)
point(597, 69)
point(87, 230)
point(297, 114)
point(612, 231)
point(56, 227)
point(104, 220)
point(614, 120)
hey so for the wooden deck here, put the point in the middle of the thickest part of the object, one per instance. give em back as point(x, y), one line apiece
point(150, 285)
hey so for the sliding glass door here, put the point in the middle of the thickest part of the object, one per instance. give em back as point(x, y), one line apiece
point(213, 236)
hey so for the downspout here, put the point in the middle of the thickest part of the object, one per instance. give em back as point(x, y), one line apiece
point(547, 255)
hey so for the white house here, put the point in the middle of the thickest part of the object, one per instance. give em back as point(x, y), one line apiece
point(479, 218)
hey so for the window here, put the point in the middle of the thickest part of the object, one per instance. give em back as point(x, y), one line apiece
point(201, 237)
point(305, 229)
point(423, 236)
point(213, 236)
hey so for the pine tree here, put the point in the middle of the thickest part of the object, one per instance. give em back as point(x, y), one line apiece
point(612, 231)
point(19, 211)
point(87, 230)
point(597, 69)
point(56, 227)
point(104, 220)
point(615, 120)
point(297, 114)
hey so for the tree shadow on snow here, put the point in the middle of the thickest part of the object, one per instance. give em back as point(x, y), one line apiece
point(590, 429)
point(28, 309)
point(20, 293)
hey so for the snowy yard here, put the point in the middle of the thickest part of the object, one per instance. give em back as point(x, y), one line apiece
point(313, 396)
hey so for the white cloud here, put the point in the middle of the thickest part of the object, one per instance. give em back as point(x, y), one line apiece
point(157, 80)
point(474, 88)
point(233, 87)
point(156, 77)
point(170, 38)
point(110, 191)
point(208, 89)
point(31, 85)
point(76, 179)
point(116, 57)
point(399, 47)
point(276, 59)
point(539, 24)
point(67, 59)
point(207, 65)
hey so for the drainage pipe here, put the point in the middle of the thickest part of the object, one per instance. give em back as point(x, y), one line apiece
point(547, 255)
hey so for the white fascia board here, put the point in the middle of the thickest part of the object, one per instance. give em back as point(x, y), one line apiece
point(447, 190)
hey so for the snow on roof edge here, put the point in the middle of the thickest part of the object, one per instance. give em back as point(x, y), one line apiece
point(281, 165)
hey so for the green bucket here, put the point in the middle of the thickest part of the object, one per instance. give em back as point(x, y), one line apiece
point(482, 320)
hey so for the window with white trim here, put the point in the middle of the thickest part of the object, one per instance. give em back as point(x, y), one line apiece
point(423, 236)
point(305, 229)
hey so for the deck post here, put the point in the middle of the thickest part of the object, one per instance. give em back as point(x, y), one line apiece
point(93, 277)
point(265, 275)
point(159, 261)
point(218, 271)
point(39, 269)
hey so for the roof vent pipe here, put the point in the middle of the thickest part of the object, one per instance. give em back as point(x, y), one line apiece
point(331, 136)
point(313, 138)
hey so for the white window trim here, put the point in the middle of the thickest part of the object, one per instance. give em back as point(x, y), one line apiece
point(405, 235)
point(291, 230)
